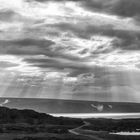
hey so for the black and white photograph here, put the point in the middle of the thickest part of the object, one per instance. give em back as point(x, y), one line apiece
point(69, 69)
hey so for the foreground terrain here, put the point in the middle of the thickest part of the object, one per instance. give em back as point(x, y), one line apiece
point(30, 125)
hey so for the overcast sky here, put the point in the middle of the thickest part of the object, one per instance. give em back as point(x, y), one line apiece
point(70, 49)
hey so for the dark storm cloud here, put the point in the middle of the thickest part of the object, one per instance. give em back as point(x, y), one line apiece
point(25, 46)
point(41, 51)
point(6, 15)
point(30, 46)
point(126, 39)
point(56, 63)
point(124, 8)
point(32, 42)
point(127, 8)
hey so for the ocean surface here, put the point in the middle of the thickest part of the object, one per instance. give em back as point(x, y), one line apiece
point(127, 133)
point(75, 108)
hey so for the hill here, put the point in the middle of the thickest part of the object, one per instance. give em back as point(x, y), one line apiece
point(32, 117)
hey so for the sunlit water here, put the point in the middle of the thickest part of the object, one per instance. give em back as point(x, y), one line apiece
point(127, 133)
point(99, 115)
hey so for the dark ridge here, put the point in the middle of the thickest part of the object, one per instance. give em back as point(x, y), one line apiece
point(15, 116)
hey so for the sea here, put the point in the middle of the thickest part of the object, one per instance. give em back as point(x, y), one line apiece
point(99, 115)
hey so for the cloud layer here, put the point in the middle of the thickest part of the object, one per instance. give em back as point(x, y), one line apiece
point(71, 49)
